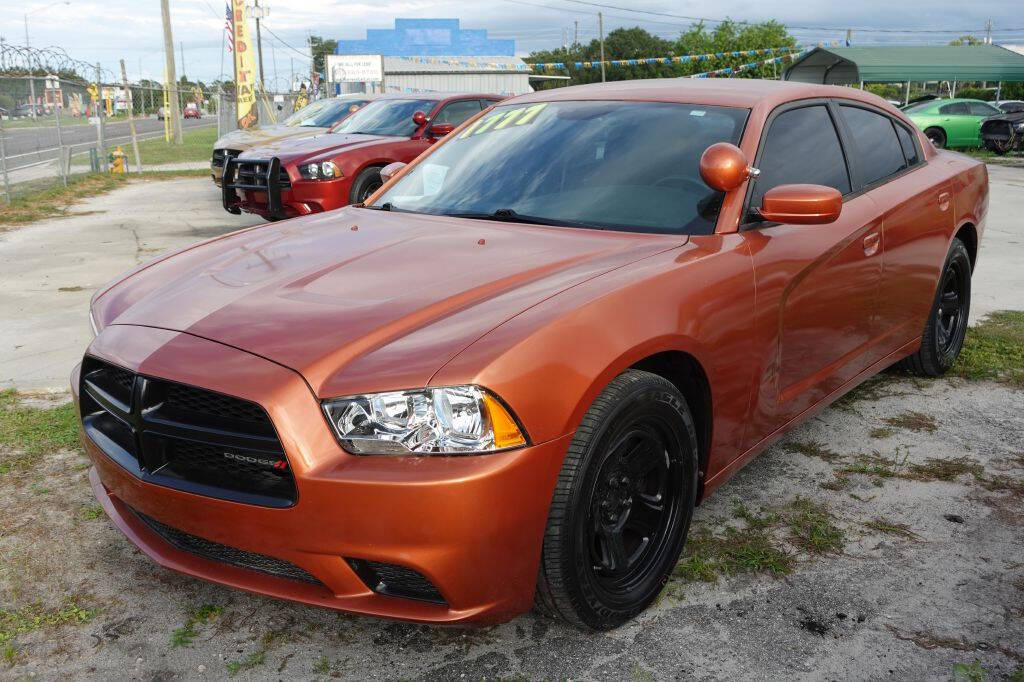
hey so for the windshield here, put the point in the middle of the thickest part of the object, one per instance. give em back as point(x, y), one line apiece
point(324, 113)
point(614, 165)
point(386, 117)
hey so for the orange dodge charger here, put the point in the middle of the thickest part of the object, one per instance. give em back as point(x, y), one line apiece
point(508, 378)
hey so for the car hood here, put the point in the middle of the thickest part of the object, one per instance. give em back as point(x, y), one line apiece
point(308, 147)
point(358, 300)
point(245, 139)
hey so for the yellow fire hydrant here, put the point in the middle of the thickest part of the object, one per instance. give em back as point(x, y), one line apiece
point(118, 161)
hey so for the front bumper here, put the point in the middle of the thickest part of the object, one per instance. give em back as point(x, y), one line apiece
point(472, 526)
point(267, 190)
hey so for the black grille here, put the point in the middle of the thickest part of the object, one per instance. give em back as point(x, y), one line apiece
point(208, 549)
point(220, 154)
point(185, 437)
point(256, 175)
point(395, 580)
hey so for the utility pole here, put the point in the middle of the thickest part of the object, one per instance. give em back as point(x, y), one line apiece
point(600, 32)
point(131, 117)
point(258, 12)
point(849, 36)
point(31, 80)
point(181, 48)
point(99, 121)
point(172, 79)
point(988, 32)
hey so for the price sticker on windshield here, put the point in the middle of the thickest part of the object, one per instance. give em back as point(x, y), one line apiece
point(504, 118)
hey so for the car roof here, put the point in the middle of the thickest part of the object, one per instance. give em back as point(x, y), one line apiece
point(730, 92)
point(437, 96)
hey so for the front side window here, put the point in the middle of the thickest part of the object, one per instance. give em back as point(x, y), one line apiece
point(630, 166)
point(802, 146)
point(457, 112)
point(955, 109)
point(391, 117)
point(875, 145)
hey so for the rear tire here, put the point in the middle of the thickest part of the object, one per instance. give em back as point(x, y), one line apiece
point(622, 504)
point(944, 332)
point(937, 136)
point(366, 183)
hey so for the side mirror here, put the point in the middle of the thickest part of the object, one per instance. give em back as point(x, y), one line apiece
point(419, 118)
point(440, 129)
point(723, 166)
point(391, 170)
point(802, 204)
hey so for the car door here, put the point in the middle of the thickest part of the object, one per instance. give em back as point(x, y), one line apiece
point(915, 200)
point(958, 123)
point(816, 284)
point(979, 111)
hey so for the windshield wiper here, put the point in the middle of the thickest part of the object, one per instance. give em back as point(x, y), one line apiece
point(386, 206)
point(508, 215)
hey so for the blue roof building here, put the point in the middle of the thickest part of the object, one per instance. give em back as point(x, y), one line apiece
point(427, 37)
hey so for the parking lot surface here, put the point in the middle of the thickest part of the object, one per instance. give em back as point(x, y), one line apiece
point(917, 486)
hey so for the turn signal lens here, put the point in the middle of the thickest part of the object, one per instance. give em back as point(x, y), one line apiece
point(507, 433)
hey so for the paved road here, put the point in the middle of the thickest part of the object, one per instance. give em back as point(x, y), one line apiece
point(27, 146)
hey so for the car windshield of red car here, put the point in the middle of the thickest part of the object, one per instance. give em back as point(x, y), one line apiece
point(386, 117)
point(614, 165)
point(323, 113)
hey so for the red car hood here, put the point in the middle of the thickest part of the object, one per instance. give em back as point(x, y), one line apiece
point(300, 149)
point(357, 300)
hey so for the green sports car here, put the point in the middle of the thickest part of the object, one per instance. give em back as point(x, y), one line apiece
point(951, 122)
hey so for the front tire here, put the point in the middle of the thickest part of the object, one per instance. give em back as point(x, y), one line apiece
point(622, 505)
point(944, 332)
point(366, 183)
point(937, 137)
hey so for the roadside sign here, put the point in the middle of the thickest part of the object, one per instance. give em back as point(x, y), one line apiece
point(355, 68)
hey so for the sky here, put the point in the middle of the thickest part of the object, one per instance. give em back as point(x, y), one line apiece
point(108, 30)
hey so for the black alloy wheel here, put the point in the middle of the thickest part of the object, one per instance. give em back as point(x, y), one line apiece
point(622, 504)
point(944, 333)
point(366, 183)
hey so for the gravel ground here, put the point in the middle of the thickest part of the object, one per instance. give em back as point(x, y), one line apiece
point(947, 590)
point(934, 580)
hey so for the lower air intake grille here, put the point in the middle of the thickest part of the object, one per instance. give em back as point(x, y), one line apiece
point(395, 580)
point(225, 554)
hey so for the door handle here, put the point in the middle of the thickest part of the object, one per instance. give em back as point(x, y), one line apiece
point(871, 243)
point(944, 198)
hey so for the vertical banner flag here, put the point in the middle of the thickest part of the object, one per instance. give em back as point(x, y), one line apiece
point(246, 109)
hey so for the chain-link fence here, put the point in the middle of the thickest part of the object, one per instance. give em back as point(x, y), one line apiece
point(273, 108)
point(54, 129)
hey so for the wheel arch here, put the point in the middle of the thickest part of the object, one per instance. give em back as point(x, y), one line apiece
point(968, 234)
point(688, 375)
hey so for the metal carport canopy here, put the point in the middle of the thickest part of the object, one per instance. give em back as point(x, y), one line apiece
point(844, 65)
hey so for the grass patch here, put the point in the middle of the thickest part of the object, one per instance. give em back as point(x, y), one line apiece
point(91, 512)
point(186, 634)
point(197, 145)
point(881, 432)
point(840, 482)
point(943, 469)
point(913, 421)
point(1003, 484)
point(750, 550)
point(35, 617)
point(32, 431)
point(884, 525)
point(55, 200)
point(322, 666)
point(9, 654)
point(973, 672)
point(812, 448)
point(876, 465)
point(811, 528)
point(251, 661)
point(994, 350)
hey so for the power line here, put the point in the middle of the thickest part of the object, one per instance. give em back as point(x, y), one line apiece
point(719, 21)
point(302, 54)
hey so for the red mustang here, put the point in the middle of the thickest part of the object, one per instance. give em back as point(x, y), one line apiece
point(513, 373)
point(295, 177)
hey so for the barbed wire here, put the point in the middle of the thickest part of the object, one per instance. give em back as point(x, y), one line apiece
point(19, 58)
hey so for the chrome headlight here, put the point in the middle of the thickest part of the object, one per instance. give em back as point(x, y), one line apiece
point(448, 420)
point(327, 170)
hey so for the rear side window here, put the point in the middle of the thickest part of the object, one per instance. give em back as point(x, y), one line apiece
point(954, 108)
point(878, 151)
point(801, 147)
point(909, 148)
point(982, 109)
